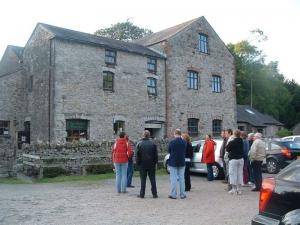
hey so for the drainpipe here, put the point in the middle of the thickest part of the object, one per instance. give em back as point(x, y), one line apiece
point(50, 90)
point(166, 104)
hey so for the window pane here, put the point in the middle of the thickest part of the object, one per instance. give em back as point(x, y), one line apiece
point(203, 43)
point(151, 86)
point(217, 127)
point(110, 56)
point(108, 80)
point(193, 127)
point(216, 84)
point(192, 80)
point(151, 64)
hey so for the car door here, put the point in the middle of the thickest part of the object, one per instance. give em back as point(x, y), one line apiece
point(197, 166)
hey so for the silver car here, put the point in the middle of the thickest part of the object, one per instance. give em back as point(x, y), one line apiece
point(197, 166)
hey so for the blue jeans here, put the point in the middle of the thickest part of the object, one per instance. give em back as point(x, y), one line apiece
point(177, 173)
point(121, 177)
point(210, 172)
point(129, 173)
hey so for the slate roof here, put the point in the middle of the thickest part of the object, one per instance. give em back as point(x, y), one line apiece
point(87, 38)
point(164, 34)
point(18, 50)
point(255, 118)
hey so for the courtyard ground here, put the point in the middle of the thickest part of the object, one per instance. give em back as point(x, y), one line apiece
point(98, 203)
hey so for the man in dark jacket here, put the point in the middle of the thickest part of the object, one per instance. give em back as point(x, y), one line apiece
point(146, 159)
point(177, 149)
point(222, 153)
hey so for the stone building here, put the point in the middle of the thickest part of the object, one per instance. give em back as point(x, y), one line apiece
point(65, 85)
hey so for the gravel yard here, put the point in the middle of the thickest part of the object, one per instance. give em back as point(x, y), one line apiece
point(98, 203)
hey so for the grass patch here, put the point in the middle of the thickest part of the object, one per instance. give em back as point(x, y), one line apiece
point(11, 180)
point(89, 179)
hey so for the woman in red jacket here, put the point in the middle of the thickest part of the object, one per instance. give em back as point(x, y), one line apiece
point(120, 153)
point(208, 156)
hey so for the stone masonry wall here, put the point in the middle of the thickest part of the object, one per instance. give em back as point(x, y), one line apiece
point(79, 91)
point(183, 103)
point(75, 157)
point(6, 160)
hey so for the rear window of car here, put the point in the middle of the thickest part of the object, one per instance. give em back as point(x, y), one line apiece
point(297, 139)
point(293, 145)
point(291, 173)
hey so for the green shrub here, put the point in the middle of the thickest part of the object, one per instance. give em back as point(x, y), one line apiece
point(283, 133)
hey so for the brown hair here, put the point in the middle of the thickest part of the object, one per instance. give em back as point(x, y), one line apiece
point(177, 132)
point(186, 137)
point(237, 133)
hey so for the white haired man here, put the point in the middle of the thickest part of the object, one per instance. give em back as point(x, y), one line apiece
point(257, 154)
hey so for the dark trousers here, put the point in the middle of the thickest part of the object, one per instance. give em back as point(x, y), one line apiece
point(257, 175)
point(250, 172)
point(129, 173)
point(225, 170)
point(210, 175)
point(150, 171)
point(187, 176)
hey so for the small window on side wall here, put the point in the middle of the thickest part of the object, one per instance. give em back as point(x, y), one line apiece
point(4, 127)
point(110, 57)
point(151, 65)
point(152, 86)
point(108, 81)
point(217, 127)
point(119, 126)
point(193, 127)
point(216, 84)
point(203, 43)
point(192, 80)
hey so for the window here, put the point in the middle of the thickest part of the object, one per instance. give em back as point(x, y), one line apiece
point(151, 65)
point(4, 127)
point(151, 86)
point(192, 80)
point(110, 57)
point(119, 126)
point(30, 83)
point(203, 43)
point(108, 81)
point(217, 127)
point(216, 84)
point(77, 129)
point(193, 127)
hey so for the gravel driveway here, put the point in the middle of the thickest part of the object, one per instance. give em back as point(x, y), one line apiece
point(74, 203)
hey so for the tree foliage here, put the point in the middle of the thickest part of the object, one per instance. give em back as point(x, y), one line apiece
point(272, 93)
point(125, 31)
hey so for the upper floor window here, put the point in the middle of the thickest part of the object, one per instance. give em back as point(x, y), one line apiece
point(119, 126)
point(151, 65)
point(216, 83)
point(203, 43)
point(193, 127)
point(110, 56)
point(192, 80)
point(151, 86)
point(4, 127)
point(77, 129)
point(217, 127)
point(108, 81)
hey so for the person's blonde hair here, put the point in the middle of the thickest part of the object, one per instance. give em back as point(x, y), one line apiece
point(186, 137)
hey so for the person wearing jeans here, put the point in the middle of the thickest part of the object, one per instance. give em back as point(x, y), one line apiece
point(209, 156)
point(120, 152)
point(177, 149)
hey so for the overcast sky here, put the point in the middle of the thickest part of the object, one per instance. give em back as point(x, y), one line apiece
point(232, 20)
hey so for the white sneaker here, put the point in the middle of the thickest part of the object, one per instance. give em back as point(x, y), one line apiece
point(232, 191)
point(250, 183)
point(238, 192)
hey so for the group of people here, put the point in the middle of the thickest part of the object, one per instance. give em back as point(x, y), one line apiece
point(241, 155)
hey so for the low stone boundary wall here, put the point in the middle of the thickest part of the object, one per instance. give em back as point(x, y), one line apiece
point(72, 158)
point(6, 160)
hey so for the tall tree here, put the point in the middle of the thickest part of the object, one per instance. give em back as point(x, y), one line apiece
point(125, 31)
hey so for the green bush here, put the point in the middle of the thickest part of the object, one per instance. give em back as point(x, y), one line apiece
point(283, 133)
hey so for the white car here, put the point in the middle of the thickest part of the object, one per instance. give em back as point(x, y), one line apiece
point(291, 138)
point(197, 166)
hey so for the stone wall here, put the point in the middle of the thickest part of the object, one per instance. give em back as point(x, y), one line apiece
point(6, 160)
point(183, 54)
point(73, 158)
point(79, 91)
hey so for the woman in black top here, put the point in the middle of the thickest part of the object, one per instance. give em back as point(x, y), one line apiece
point(236, 162)
point(188, 158)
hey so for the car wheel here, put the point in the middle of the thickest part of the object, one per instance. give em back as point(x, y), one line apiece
point(272, 166)
point(216, 171)
point(167, 167)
